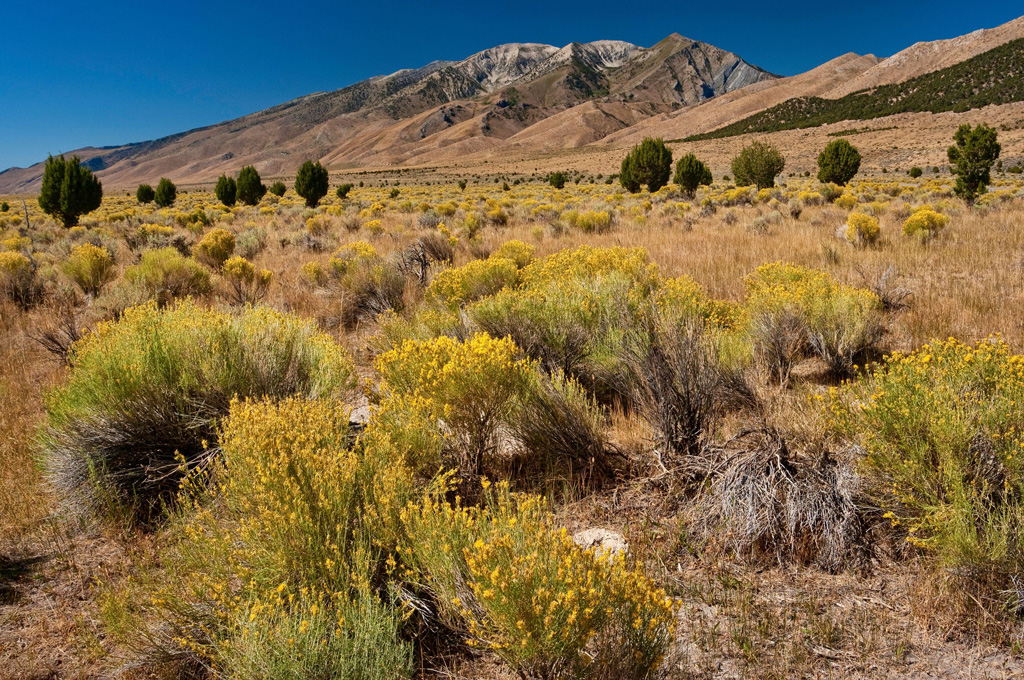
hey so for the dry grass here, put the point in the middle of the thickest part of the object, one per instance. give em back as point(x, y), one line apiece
point(739, 619)
point(962, 284)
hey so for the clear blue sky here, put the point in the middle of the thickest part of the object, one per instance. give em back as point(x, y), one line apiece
point(75, 73)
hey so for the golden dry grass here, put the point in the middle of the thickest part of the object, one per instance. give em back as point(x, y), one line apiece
point(737, 620)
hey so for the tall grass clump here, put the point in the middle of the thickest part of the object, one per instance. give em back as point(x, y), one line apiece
point(145, 394)
point(795, 311)
point(163, 275)
point(366, 283)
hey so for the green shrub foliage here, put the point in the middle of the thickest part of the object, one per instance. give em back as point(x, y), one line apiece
point(311, 182)
point(166, 193)
point(226, 190)
point(250, 187)
point(971, 157)
point(69, 190)
point(759, 164)
point(145, 194)
point(838, 163)
point(649, 163)
point(992, 77)
point(692, 173)
point(144, 397)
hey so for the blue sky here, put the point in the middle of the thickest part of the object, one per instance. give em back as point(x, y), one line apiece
point(74, 74)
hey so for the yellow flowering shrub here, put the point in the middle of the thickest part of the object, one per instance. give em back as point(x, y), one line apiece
point(282, 545)
point(862, 229)
point(165, 274)
point(589, 262)
point(318, 225)
point(942, 431)
point(517, 251)
point(148, 231)
point(589, 220)
point(474, 280)
point(248, 285)
point(16, 243)
point(513, 583)
point(314, 273)
point(810, 198)
point(215, 248)
point(349, 256)
point(17, 277)
point(497, 216)
point(90, 267)
point(836, 321)
point(847, 201)
point(471, 385)
point(682, 298)
point(925, 222)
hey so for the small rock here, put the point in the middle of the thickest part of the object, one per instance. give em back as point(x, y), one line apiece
point(360, 415)
point(602, 539)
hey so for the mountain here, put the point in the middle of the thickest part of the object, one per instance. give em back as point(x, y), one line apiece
point(991, 78)
point(443, 109)
point(833, 80)
point(927, 57)
point(538, 105)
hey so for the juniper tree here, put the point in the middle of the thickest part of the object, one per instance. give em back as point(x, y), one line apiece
point(226, 190)
point(649, 163)
point(69, 190)
point(250, 187)
point(311, 182)
point(144, 194)
point(838, 162)
point(166, 192)
point(971, 158)
point(692, 173)
point(759, 164)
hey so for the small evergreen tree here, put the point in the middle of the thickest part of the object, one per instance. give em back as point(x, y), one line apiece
point(144, 194)
point(250, 187)
point(692, 173)
point(4, 207)
point(838, 162)
point(278, 189)
point(311, 182)
point(759, 164)
point(971, 158)
point(226, 190)
point(557, 179)
point(342, 191)
point(166, 192)
point(69, 190)
point(915, 172)
point(648, 163)
point(462, 185)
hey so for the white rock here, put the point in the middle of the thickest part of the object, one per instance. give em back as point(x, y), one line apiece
point(602, 539)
